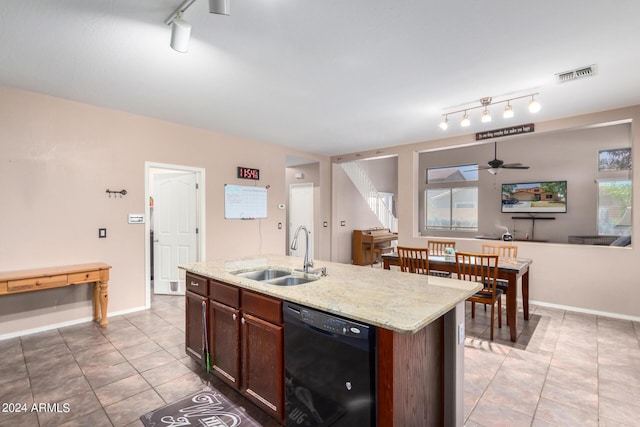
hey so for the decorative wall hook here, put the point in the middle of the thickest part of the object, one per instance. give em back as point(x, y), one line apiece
point(121, 192)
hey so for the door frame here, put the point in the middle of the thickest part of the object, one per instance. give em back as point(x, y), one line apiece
point(200, 216)
point(305, 185)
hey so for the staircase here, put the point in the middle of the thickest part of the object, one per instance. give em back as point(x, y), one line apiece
point(366, 188)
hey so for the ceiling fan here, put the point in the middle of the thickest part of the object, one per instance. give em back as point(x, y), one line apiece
point(496, 164)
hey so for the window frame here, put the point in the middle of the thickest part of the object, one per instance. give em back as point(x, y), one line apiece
point(451, 186)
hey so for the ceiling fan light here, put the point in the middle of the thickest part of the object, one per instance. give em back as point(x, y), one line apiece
point(180, 33)
point(465, 120)
point(486, 116)
point(444, 124)
point(219, 7)
point(534, 105)
point(494, 171)
point(508, 111)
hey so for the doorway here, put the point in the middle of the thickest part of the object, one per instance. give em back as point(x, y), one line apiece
point(300, 213)
point(174, 230)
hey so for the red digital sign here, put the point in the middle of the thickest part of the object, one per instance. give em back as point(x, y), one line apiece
point(248, 173)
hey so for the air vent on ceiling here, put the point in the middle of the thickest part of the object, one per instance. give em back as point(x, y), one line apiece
point(578, 73)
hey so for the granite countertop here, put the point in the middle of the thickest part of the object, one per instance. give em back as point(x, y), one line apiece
point(402, 302)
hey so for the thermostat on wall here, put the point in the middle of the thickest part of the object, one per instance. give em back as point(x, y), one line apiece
point(136, 218)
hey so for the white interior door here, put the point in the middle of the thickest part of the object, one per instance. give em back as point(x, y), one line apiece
point(301, 213)
point(175, 229)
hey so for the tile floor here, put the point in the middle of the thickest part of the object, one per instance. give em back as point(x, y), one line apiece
point(567, 369)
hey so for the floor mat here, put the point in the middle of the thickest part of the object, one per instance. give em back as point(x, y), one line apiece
point(206, 408)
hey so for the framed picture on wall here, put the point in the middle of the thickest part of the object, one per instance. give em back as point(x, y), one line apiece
point(617, 159)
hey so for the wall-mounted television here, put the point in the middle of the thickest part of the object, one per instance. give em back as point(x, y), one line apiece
point(535, 197)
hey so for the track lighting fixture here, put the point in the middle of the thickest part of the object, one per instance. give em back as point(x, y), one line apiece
point(534, 107)
point(180, 33)
point(181, 29)
point(220, 7)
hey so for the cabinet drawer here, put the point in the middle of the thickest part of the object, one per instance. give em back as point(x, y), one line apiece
point(33, 284)
point(262, 306)
point(225, 294)
point(197, 284)
point(3, 287)
point(84, 277)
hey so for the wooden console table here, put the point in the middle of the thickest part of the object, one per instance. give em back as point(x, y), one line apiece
point(13, 282)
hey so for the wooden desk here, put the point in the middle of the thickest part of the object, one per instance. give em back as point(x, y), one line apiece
point(14, 282)
point(510, 270)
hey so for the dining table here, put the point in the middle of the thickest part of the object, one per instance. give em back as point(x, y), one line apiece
point(509, 269)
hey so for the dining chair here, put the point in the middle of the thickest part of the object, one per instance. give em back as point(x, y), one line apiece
point(481, 268)
point(437, 247)
point(413, 260)
point(506, 251)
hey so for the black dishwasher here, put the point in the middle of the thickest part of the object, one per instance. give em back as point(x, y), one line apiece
point(330, 369)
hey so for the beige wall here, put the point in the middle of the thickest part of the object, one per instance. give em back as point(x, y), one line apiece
point(586, 278)
point(564, 156)
point(58, 157)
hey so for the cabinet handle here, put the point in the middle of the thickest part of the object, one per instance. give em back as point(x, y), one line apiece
point(242, 321)
point(194, 284)
point(234, 316)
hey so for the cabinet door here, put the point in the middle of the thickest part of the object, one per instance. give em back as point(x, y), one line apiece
point(262, 364)
point(196, 321)
point(224, 341)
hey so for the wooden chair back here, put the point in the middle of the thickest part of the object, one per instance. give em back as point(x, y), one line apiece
point(414, 260)
point(504, 250)
point(481, 268)
point(437, 247)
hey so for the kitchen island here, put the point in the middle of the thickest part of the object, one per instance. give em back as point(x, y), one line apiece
point(420, 322)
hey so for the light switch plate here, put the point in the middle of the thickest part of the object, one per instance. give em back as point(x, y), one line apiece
point(102, 233)
point(460, 333)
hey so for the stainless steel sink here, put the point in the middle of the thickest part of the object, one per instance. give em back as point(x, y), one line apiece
point(263, 274)
point(292, 280)
point(274, 276)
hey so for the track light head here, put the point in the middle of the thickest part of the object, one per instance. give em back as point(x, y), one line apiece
point(220, 7)
point(444, 124)
point(180, 33)
point(508, 111)
point(486, 116)
point(534, 106)
point(465, 120)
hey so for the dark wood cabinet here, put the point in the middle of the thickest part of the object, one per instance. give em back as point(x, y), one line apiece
point(224, 342)
point(195, 326)
point(245, 336)
point(262, 364)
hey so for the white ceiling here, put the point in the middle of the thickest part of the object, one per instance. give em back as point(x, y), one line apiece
point(330, 76)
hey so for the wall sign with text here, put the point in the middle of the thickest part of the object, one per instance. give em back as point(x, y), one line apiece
point(513, 130)
point(248, 173)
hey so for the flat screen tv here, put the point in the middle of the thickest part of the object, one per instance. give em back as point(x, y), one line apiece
point(535, 197)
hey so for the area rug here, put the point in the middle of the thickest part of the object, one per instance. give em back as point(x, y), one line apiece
point(206, 408)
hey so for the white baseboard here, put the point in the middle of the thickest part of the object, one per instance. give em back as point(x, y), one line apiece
point(586, 311)
point(65, 324)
